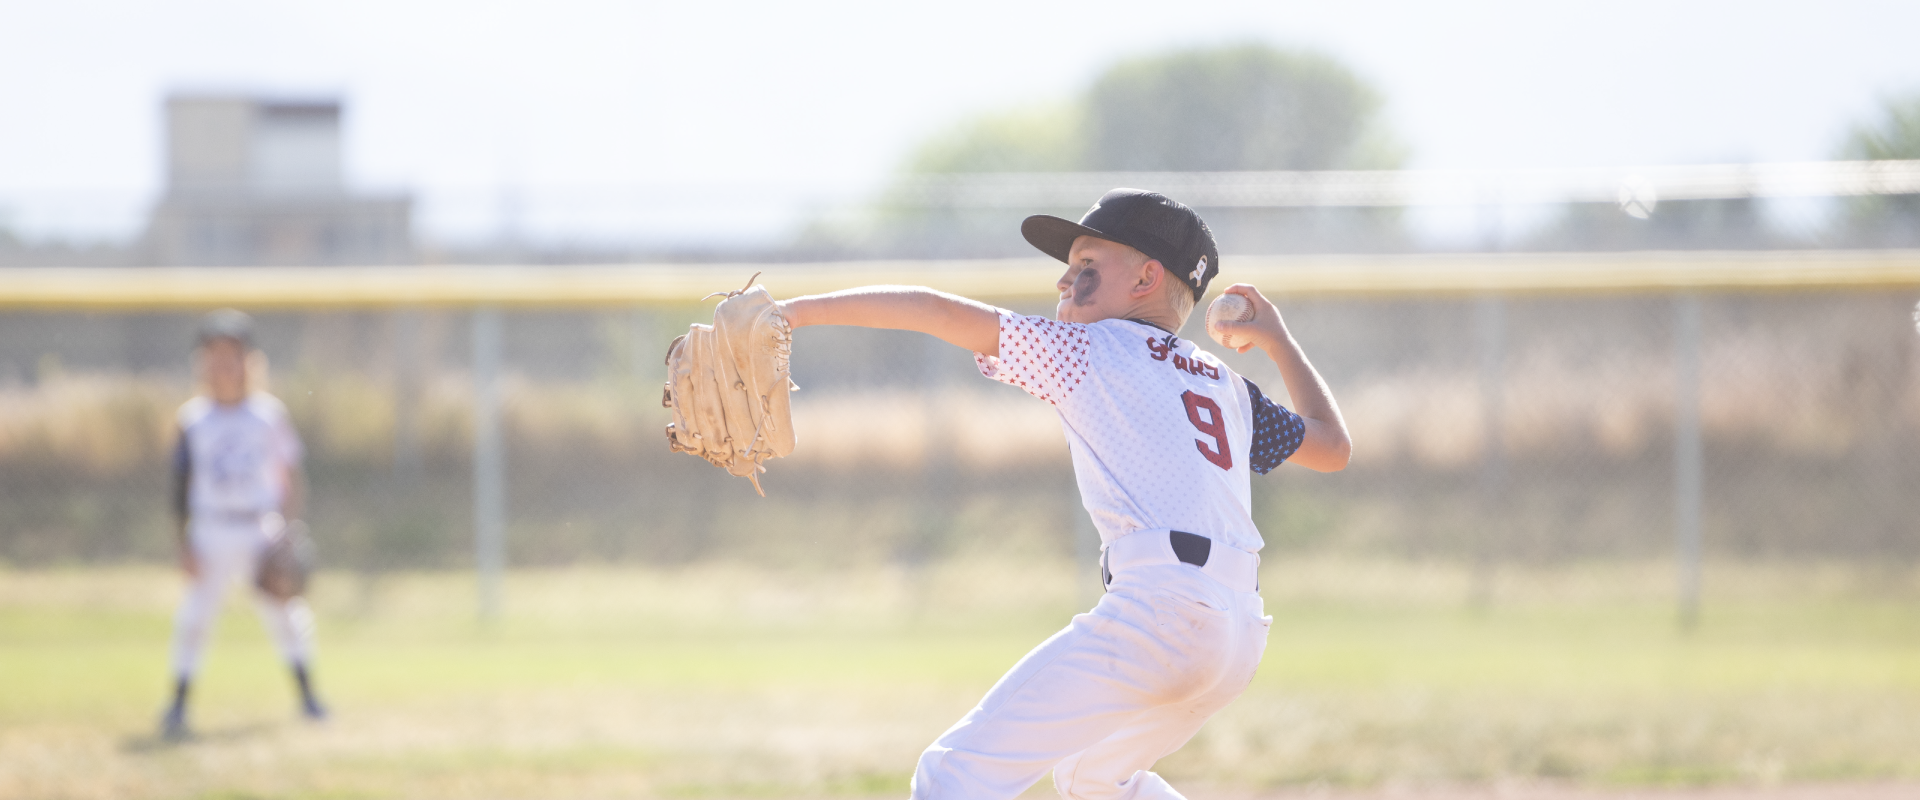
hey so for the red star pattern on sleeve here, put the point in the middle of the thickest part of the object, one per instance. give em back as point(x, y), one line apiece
point(1048, 358)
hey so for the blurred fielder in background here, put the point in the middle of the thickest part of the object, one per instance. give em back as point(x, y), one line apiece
point(236, 482)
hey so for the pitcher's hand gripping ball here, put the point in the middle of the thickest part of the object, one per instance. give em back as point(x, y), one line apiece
point(287, 562)
point(1228, 308)
point(728, 385)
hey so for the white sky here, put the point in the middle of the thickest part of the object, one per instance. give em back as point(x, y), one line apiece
point(790, 100)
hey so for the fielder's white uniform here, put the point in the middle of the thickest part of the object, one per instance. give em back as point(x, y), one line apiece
point(1163, 437)
point(237, 461)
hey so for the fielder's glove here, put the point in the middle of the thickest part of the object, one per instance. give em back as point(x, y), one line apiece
point(728, 385)
point(287, 562)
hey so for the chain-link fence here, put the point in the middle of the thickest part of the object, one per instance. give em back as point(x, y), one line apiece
point(1533, 429)
point(1505, 429)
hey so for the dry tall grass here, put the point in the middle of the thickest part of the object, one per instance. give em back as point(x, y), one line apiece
point(1810, 405)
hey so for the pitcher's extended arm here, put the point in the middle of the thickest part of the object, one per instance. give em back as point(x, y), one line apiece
point(951, 318)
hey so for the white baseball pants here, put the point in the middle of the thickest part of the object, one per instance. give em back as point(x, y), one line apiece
point(228, 554)
point(1098, 703)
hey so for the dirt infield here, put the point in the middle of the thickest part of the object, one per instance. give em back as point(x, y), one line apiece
point(1885, 791)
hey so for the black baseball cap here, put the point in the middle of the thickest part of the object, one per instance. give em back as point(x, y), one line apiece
point(1149, 222)
point(225, 324)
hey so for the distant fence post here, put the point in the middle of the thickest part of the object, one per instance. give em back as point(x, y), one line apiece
point(489, 463)
point(646, 334)
point(1687, 466)
point(408, 366)
point(1490, 324)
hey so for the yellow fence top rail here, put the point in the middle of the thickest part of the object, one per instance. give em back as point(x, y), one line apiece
point(625, 285)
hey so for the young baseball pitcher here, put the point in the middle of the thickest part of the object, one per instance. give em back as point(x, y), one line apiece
point(1164, 440)
point(237, 480)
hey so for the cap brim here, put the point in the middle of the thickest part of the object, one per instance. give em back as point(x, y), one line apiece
point(1054, 236)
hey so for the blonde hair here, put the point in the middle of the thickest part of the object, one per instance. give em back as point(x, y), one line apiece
point(1179, 295)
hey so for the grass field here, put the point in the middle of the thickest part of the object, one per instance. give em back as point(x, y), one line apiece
point(727, 681)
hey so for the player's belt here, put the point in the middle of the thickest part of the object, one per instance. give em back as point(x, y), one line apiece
point(1237, 569)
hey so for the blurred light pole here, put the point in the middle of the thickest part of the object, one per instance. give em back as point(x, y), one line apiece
point(1490, 323)
point(1686, 453)
point(646, 337)
point(408, 364)
point(489, 462)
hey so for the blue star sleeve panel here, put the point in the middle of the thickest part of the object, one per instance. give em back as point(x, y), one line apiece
point(1277, 432)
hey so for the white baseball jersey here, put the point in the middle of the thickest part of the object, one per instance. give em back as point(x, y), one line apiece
point(1163, 434)
point(230, 468)
point(235, 459)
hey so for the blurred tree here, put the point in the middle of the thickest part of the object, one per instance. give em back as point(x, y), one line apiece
point(1035, 139)
point(1243, 107)
point(1885, 220)
point(1238, 107)
point(1894, 136)
point(1248, 107)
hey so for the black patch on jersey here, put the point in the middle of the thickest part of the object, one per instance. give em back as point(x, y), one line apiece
point(1190, 548)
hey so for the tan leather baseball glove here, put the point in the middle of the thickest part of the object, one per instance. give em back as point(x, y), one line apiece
point(287, 562)
point(728, 386)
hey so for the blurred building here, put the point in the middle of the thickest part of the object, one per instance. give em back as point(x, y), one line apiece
point(258, 181)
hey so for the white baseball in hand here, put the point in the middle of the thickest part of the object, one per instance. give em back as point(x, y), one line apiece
point(1228, 308)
